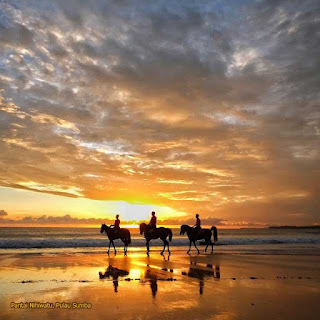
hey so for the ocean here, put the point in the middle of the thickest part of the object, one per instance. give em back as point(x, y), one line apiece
point(245, 241)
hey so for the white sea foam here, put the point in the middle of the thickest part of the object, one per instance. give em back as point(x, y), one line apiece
point(179, 241)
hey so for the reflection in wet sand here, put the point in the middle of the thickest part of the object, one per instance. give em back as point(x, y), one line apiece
point(150, 270)
point(197, 272)
point(115, 273)
point(153, 279)
point(174, 285)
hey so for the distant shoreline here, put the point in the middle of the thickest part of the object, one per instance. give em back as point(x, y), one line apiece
point(295, 227)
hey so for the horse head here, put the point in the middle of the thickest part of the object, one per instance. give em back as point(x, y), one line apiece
point(183, 229)
point(142, 227)
point(104, 227)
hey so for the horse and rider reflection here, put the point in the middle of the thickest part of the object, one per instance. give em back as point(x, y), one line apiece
point(198, 272)
point(114, 273)
point(155, 273)
point(153, 280)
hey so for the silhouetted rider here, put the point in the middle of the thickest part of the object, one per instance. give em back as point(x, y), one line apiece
point(153, 222)
point(197, 226)
point(116, 226)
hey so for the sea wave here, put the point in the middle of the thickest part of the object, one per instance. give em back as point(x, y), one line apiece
point(96, 243)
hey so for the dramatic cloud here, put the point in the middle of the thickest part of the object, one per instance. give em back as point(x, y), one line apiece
point(209, 107)
point(54, 220)
point(69, 220)
point(3, 213)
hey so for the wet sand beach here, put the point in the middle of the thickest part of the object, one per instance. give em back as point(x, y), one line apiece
point(205, 286)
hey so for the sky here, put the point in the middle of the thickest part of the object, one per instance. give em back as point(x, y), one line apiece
point(180, 107)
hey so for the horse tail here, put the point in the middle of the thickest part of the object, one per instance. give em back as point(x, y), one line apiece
point(170, 235)
point(215, 233)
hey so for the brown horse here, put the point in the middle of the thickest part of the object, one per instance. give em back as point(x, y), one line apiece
point(161, 233)
point(123, 234)
point(195, 235)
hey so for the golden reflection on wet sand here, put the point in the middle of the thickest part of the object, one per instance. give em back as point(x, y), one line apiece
point(176, 287)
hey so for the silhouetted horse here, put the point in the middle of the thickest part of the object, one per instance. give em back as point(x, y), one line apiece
point(205, 234)
point(161, 233)
point(123, 234)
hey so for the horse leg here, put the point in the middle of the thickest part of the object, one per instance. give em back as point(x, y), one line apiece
point(114, 247)
point(211, 246)
point(147, 245)
point(127, 243)
point(109, 247)
point(207, 244)
point(164, 246)
point(168, 248)
point(124, 246)
point(205, 250)
point(194, 242)
point(189, 247)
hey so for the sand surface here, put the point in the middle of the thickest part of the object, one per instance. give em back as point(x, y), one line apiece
point(211, 286)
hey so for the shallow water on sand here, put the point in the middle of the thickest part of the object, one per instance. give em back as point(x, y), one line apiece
point(205, 286)
point(251, 241)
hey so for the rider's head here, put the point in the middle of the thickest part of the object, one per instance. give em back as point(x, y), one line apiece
point(197, 216)
point(153, 213)
point(117, 216)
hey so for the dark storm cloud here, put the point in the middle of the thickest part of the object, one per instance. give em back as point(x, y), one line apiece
point(109, 100)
